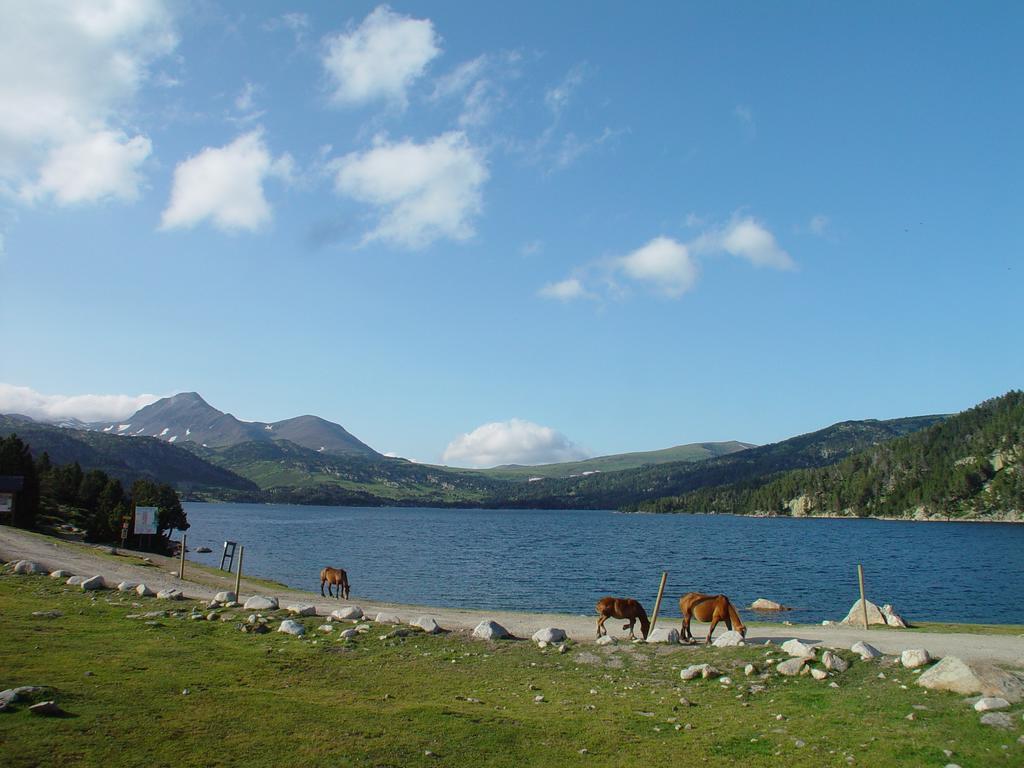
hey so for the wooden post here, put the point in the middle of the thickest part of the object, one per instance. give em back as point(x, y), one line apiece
point(863, 602)
point(657, 603)
point(238, 572)
point(181, 566)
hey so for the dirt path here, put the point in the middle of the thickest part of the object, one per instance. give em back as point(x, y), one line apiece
point(129, 566)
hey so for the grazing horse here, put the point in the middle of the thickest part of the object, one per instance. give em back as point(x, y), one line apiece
point(709, 608)
point(338, 578)
point(622, 608)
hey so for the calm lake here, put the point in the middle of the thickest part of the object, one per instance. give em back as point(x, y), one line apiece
point(542, 560)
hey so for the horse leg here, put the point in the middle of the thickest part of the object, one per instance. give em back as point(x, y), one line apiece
point(346, 589)
point(600, 625)
point(322, 587)
point(630, 625)
point(714, 623)
point(687, 637)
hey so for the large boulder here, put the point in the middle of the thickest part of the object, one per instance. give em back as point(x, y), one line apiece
point(127, 586)
point(490, 630)
point(549, 635)
point(729, 639)
point(387, 618)
point(348, 612)
point(791, 667)
point(302, 609)
point(761, 604)
point(292, 628)
point(885, 615)
point(865, 650)
point(29, 567)
point(427, 624)
point(170, 594)
point(989, 703)
point(834, 663)
point(75, 581)
point(261, 603)
point(799, 649)
point(225, 597)
point(893, 619)
point(912, 658)
point(668, 635)
point(954, 674)
point(143, 591)
point(94, 582)
point(61, 574)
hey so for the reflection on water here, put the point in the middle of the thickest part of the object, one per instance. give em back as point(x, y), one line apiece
point(565, 560)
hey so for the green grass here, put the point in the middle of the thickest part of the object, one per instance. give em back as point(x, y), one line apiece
point(258, 700)
point(969, 629)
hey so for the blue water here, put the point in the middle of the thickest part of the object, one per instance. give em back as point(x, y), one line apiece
point(542, 560)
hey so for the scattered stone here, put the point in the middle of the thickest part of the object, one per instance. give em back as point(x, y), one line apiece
point(799, 649)
point(729, 639)
point(954, 674)
point(761, 604)
point(605, 640)
point(893, 619)
point(549, 635)
point(791, 667)
point(749, 670)
point(225, 597)
point(819, 674)
point(912, 658)
point(170, 594)
point(387, 618)
point(325, 628)
point(662, 635)
point(75, 581)
point(47, 614)
point(212, 616)
point(95, 582)
point(261, 603)
point(490, 630)
point(126, 586)
point(698, 670)
point(143, 591)
point(61, 574)
point(349, 633)
point(28, 567)
point(292, 628)
point(726, 681)
point(203, 550)
point(865, 651)
point(538, 698)
point(47, 709)
point(302, 609)
point(427, 624)
point(997, 720)
point(348, 612)
point(834, 663)
point(989, 703)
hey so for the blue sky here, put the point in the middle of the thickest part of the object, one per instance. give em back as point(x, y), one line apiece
point(487, 232)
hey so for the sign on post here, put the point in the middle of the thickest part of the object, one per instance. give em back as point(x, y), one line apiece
point(145, 521)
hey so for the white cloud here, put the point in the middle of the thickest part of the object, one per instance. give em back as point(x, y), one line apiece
point(748, 239)
point(423, 191)
point(28, 402)
point(663, 263)
point(225, 186)
point(379, 59)
point(565, 290)
point(573, 147)
point(511, 442)
point(480, 84)
point(557, 97)
point(71, 72)
point(819, 224)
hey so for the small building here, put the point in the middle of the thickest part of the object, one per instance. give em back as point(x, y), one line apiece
point(10, 487)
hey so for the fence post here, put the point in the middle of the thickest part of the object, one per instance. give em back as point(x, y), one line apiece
point(657, 603)
point(181, 565)
point(863, 602)
point(238, 573)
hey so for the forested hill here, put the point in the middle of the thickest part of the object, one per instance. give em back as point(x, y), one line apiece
point(617, 490)
point(968, 466)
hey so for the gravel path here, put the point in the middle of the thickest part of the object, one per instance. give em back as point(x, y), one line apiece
point(84, 560)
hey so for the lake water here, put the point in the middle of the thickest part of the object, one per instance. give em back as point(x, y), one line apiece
point(542, 560)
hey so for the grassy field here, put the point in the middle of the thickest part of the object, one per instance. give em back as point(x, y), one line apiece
point(436, 700)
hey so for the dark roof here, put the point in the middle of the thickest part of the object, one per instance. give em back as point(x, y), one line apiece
point(10, 483)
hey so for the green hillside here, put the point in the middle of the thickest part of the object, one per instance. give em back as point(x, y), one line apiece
point(618, 462)
point(968, 466)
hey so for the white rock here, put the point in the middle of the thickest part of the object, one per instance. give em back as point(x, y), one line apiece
point(855, 616)
point(989, 703)
point(799, 649)
point(126, 586)
point(143, 591)
point(60, 574)
point(865, 651)
point(427, 624)
point(749, 670)
point(761, 604)
point(912, 658)
point(387, 618)
point(729, 640)
point(225, 597)
point(326, 628)
point(549, 635)
point(997, 720)
point(95, 582)
point(348, 612)
point(29, 567)
point(662, 635)
point(893, 619)
point(170, 594)
point(302, 609)
point(490, 630)
point(953, 674)
point(790, 667)
point(349, 633)
point(261, 603)
point(833, 662)
point(818, 674)
point(605, 640)
point(292, 628)
point(75, 581)
point(698, 670)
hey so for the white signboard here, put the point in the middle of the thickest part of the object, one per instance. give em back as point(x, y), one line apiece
point(6, 502)
point(145, 521)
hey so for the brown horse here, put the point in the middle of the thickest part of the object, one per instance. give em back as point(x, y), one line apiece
point(337, 577)
point(709, 608)
point(622, 608)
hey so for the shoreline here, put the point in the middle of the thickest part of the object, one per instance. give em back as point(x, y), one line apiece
point(199, 584)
